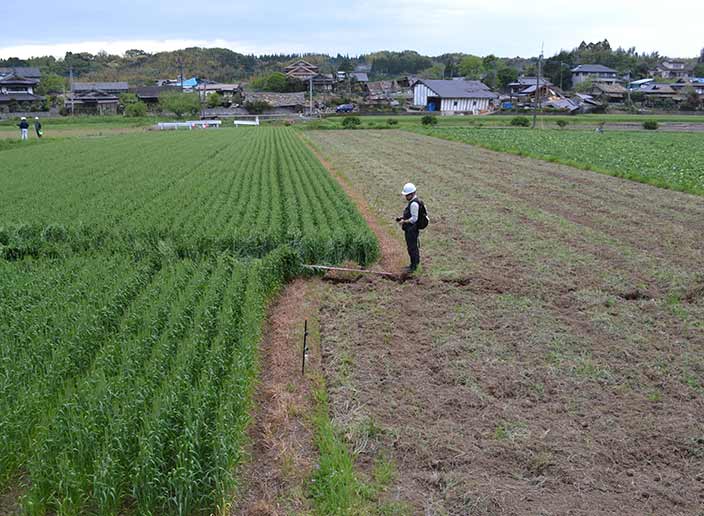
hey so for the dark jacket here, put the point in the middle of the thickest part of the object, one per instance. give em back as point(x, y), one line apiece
point(37, 125)
point(407, 214)
point(23, 125)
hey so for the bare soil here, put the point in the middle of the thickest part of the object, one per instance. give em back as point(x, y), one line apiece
point(9, 500)
point(548, 360)
point(282, 451)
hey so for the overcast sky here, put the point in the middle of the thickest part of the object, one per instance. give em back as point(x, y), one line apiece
point(506, 28)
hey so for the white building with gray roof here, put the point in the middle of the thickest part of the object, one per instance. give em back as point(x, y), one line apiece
point(450, 97)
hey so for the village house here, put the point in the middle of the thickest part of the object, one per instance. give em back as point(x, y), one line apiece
point(522, 83)
point(607, 93)
point(17, 93)
point(450, 97)
point(189, 85)
point(672, 70)
point(301, 70)
point(408, 81)
point(656, 93)
point(229, 92)
point(594, 73)
point(360, 77)
point(697, 83)
point(323, 82)
point(279, 102)
point(98, 98)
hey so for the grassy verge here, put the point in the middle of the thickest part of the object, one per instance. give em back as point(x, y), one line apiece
point(335, 487)
point(406, 121)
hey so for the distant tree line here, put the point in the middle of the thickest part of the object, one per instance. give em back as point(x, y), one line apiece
point(264, 72)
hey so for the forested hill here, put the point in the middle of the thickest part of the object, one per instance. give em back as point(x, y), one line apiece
point(223, 65)
point(220, 64)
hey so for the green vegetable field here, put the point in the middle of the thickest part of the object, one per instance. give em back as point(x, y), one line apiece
point(669, 160)
point(135, 273)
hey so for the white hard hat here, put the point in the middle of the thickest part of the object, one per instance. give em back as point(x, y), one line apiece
point(36, 118)
point(23, 118)
point(408, 188)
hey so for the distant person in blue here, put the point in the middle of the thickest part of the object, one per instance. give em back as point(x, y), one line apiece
point(38, 127)
point(24, 128)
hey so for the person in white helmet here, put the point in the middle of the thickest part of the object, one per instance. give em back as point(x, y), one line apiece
point(38, 127)
point(409, 223)
point(24, 128)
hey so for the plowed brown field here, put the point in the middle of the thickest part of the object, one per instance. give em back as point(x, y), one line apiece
point(550, 357)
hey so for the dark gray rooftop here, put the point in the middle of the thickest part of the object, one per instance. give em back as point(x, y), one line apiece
point(593, 68)
point(28, 72)
point(530, 81)
point(104, 86)
point(459, 89)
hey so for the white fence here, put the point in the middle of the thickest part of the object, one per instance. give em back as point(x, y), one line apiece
point(191, 124)
point(246, 122)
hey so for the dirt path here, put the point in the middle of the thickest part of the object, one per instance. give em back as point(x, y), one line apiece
point(282, 450)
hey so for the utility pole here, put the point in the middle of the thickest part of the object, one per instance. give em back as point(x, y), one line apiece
point(536, 106)
point(203, 96)
point(310, 96)
point(70, 84)
point(180, 66)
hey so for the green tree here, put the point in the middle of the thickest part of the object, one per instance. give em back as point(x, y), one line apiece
point(699, 70)
point(490, 61)
point(387, 63)
point(506, 76)
point(51, 83)
point(471, 67)
point(692, 102)
point(136, 109)
point(437, 71)
point(343, 63)
point(277, 81)
point(214, 100)
point(350, 122)
point(257, 107)
point(180, 103)
point(128, 98)
point(583, 86)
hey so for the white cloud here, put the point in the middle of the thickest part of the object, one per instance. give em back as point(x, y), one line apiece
point(506, 28)
point(149, 45)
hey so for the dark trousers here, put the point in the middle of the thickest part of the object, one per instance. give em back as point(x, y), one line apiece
point(411, 234)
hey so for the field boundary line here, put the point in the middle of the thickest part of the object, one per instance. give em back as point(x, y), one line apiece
point(392, 252)
point(281, 452)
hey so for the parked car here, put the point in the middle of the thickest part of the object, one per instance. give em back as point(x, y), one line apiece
point(344, 108)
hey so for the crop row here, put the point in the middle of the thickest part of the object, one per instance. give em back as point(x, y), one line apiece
point(668, 160)
point(128, 388)
point(246, 192)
